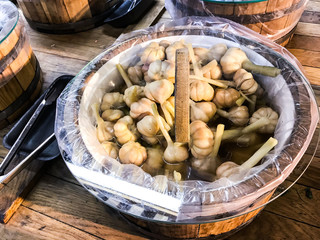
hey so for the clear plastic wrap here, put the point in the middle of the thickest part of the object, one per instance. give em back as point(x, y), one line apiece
point(272, 18)
point(127, 187)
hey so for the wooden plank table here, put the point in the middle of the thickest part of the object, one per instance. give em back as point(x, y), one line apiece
point(59, 208)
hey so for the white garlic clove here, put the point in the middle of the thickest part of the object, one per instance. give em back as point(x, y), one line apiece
point(154, 162)
point(214, 73)
point(201, 91)
point(132, 153)
point(217, 51)
point(133, 94)
point(159, 91)
point(175, 153)
point(105, 131)
point(239, 115)
point(171, 50)
point(201, 139)
point(112, 115)
point(203, 111)
point(125, 130)
point(111, 148)
point(112, 100)
point(227, 169)
point(152, 53)
point(162, 70)
point(268, 113)
point(232, 60)
point(141, 108)
point(226, 97)
point(245, 82)
point(148, 126)
point(135, 74)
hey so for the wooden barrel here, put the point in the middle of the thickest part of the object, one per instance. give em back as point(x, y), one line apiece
point(274, 19)
point(66, 16)
point(205, 213)
point(20, 80)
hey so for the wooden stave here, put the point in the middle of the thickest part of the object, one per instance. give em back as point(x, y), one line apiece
point(64, 16)
point(24, 101)
point(17, 71)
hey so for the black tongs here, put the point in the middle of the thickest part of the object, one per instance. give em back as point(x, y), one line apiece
point(50, 97)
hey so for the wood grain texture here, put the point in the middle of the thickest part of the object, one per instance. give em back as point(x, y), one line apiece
point(304, 42)
point(66, 49)
point(13, 194)
point(31, 12)
point(78, 10)
point(40, 226)
point(310, 17)
point(311, 178)
point(15, 232)
point(9, 93)
point(306, 57)
point(312, 74)
point(303, 205)
point(313, 6)
point(269, 226)
point(56, 66)
point(56, 11)
point(308, 29)
point(61, 200)
point(37, 6)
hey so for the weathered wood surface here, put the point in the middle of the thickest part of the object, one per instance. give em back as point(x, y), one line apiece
point(59, 208)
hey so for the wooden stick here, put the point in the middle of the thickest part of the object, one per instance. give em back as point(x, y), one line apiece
point(182, 89)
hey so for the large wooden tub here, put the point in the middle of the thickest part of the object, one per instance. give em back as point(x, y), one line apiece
point(201, 209)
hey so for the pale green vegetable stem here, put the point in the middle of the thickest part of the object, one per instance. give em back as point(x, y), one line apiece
point(217, 140)
point(160, 123)
point(264, 70)
point(124, 75)
point(258, 155)
point(217, 83)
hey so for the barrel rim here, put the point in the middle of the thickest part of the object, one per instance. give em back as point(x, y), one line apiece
point(16, 22)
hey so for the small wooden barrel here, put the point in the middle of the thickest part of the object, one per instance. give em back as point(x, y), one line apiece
point(66, 16)
point(20, 81)
point(275, 19)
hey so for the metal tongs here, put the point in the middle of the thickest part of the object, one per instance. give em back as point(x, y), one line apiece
point(50, 97)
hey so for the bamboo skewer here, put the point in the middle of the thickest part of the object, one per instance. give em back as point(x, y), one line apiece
point(182, 89)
